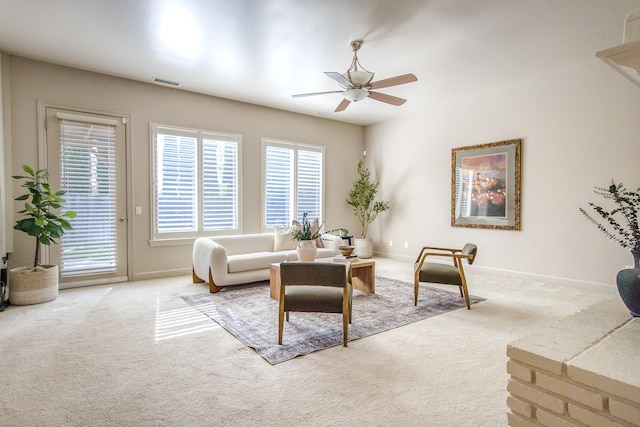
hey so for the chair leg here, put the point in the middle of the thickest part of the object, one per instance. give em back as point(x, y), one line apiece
point(345, 328)
point(287, 314)
point(415, 292)
point(460, 289)
point(280, 322)
point(463, 288)
point(465, 291)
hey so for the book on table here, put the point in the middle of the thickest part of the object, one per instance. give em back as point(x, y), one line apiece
point(342, 258)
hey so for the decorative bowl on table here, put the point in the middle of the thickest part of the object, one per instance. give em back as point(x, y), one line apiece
point(346, 250)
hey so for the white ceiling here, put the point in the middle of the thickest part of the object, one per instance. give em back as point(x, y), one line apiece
point(264, 51)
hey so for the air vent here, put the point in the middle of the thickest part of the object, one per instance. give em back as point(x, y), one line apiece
point(165, 82)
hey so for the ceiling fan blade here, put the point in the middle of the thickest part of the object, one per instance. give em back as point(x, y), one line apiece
point(387, 98)
point(300, 95)
point(394, 81)
point(342, 106)
point(339, 78)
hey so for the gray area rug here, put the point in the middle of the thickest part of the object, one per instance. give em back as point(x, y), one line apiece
point(249, 314)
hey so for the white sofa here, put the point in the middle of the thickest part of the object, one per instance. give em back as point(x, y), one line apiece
point(233, 260)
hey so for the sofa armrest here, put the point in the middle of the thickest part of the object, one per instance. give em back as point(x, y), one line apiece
point(332, 241)
point(209, 256)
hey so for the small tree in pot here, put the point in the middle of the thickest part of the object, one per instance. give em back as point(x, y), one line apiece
point(32, 285)
point(366, 209)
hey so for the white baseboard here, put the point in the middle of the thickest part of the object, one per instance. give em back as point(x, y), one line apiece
point(504, 272)
point(163, 273)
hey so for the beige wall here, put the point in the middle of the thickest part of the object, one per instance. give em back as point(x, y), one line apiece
point(32, 81)
point(580, 127)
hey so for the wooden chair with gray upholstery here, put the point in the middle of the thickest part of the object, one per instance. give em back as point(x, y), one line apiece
point(320, 287)
point(450, 273)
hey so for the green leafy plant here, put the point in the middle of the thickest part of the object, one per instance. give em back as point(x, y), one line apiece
point(306, 230)
point(362, 198)
point(341, 231)
point(621, 223)
point(40, 219)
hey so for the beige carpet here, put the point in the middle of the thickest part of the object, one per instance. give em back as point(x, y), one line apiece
point(137, 355)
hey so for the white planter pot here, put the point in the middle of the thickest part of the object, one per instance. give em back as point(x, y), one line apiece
point(33, 286)
point(363, 247)
point(306, 250)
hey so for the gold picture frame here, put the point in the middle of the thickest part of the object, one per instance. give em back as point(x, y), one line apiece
point(485, 185)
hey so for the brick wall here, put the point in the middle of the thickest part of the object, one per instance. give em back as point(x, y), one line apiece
point(580, 371)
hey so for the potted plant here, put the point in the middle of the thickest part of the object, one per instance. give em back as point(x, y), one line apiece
point(306, 233)
point(621, 225)
point(38, 283)
point(366, 209)
point(342, 232)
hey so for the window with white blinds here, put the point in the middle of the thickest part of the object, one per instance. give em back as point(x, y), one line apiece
point(279, 185)
point(88, 175)
point(293, 182)
point(176, 181)
point(196, 182)
point(219, 182)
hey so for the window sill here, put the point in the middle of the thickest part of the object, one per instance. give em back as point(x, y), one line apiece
point(172, 242)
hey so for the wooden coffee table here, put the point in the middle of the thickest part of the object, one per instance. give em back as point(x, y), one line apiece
point(362, 276)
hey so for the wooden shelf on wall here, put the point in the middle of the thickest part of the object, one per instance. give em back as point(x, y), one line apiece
point(625, 59)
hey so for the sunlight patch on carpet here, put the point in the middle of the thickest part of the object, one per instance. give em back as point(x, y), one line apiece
point(178, 322)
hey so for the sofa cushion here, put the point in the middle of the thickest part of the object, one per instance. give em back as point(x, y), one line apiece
point(245, 243)
point(254, 261)
point(282, 240)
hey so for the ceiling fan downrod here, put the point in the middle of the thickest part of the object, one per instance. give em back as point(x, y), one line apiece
point(357, 74)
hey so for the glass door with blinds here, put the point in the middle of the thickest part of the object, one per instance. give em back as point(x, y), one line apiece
point(86, 158)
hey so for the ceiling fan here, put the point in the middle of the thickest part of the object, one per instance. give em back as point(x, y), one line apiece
point(357, 85)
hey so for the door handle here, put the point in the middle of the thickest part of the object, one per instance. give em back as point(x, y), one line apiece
point(123, 219)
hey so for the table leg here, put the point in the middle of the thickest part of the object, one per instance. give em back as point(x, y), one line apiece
point(363, 278)
point(274, 282)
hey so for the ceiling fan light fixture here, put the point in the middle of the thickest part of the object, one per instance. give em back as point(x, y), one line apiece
point(359, 77)
point(355, 94)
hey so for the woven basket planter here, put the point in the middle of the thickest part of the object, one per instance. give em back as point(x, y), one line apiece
point(33, 286)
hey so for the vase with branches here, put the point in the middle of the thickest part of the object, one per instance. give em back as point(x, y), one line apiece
point(620, 223)
point(306, 234)
point(306, 230)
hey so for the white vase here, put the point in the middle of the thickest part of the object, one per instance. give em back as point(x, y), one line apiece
point(363, 247)
point(306, 250)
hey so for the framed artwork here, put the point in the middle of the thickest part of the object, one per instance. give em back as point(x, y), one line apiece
point(485, 185)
